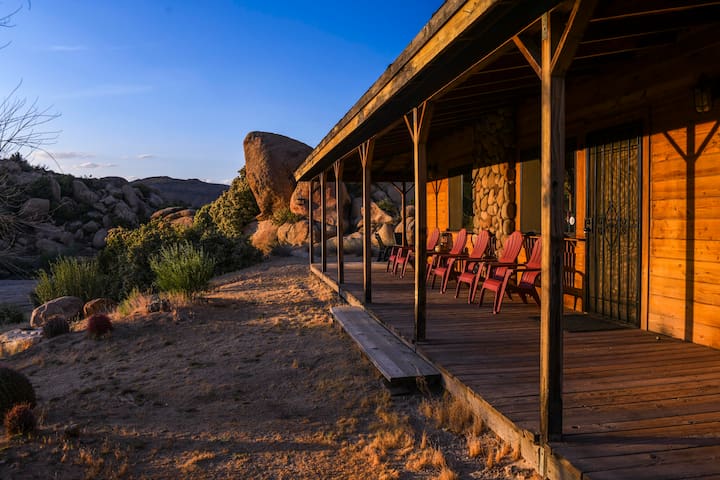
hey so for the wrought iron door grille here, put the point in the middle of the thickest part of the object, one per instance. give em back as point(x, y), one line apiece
point(614, 234)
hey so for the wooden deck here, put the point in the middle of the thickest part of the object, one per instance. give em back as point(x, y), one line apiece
point(636, 405)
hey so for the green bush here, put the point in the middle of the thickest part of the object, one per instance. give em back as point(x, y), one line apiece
point(10, 314)
point(388, 207)
point(284, 215)
point(182, 268)
point(77, 277)
point(232, 211)
point(127, 254)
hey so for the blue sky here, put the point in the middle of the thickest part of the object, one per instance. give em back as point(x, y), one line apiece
point(171, 87)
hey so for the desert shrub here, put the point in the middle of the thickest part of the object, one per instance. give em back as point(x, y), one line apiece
point(232, 211)
point(10, 314)
point(284, 215)
point(229, 253)
point(54, 326)
point(77, 277)
point(182, 268)
point(128, 251)
point(98, 325)
point(40, 188)
point(20, 420)
point(14, 388)
point(65, 182)
point(387, 206)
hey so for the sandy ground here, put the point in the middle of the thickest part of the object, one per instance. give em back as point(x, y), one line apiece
point(252, 382)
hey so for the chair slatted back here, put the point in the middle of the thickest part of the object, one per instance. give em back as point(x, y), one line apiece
point(459, 244)
point(511, 250)
point(535, 262)
point(433, 239)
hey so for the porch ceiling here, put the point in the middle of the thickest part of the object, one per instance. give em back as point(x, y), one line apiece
point(481, 70)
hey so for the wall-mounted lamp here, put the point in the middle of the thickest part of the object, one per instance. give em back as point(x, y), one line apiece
point(703, 95)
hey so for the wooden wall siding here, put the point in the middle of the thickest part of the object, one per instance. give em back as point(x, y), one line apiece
point(685, 234)
point(438, 217)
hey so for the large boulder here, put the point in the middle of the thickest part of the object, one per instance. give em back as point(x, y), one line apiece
point(99, 305)
point(35, 208)
point(125, 214)
point(295, 234)
point(265, 237)
point(45, 246)
point(67, 307)
point(131, 197)
point(270, 161)
point(299, 202)
point(82, 194)
point(100, 239)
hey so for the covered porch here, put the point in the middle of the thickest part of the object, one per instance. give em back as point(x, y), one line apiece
point(590, 120)
point(635, 404)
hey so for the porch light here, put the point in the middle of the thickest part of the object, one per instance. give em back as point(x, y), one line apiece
point(703, 95)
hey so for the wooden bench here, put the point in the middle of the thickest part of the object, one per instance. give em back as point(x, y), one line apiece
point(397, 362)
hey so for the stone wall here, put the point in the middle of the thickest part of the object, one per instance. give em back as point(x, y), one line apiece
point(494, 174)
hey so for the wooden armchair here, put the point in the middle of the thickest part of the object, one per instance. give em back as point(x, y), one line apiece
point(406, 255)
point(511, 250)
point(499, 275)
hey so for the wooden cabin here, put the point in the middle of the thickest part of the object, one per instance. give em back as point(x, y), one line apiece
point(593, 124)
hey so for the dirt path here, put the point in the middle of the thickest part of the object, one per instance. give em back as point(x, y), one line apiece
point(17, 292)
point(254, 383)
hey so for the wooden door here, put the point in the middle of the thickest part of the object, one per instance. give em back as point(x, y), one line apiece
point(613, 224)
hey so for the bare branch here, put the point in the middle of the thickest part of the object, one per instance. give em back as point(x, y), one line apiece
point(23, 125)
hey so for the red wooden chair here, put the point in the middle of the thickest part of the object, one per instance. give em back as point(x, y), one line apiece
point(406, 255)
point(442, 263)
point(473, 262)
point(511, 250)
point(498, 278)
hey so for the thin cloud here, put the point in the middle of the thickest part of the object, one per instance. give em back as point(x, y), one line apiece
point(116, 90)
point(146, 156)
point(63, 155)
point(93, 165)
point(67, 48)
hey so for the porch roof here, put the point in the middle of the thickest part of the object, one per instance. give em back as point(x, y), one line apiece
point(466, 62)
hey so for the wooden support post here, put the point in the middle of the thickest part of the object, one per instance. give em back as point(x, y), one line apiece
point(366, 154)
point(556, 54)
point(552, 174)
point(337, 168)
point(323, 222)
point(403, 214)
point(311, 256)
point(403, 190)
point(418, 124)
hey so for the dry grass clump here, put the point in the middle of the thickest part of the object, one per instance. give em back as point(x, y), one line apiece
point(447, 474)
point(475, 446)
point(424, 459)
point(452, 414)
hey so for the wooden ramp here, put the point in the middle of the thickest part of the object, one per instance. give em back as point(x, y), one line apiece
point(397, 362)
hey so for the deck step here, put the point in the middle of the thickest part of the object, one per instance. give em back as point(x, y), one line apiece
point(397, 362)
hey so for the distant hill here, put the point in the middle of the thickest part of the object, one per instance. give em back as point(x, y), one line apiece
point(193, 192)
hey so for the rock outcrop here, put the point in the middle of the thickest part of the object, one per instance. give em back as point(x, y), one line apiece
point(270, 161)
point(66, 307)
point(53, 214)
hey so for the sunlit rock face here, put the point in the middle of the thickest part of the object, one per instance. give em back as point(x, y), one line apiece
point(270, 163)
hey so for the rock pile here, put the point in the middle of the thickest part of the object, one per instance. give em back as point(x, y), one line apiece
point(45, 214)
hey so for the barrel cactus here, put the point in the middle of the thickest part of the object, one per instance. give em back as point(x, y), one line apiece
point(14, 388)
point(99, 325)
point(55, 325)
point(20, 420)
